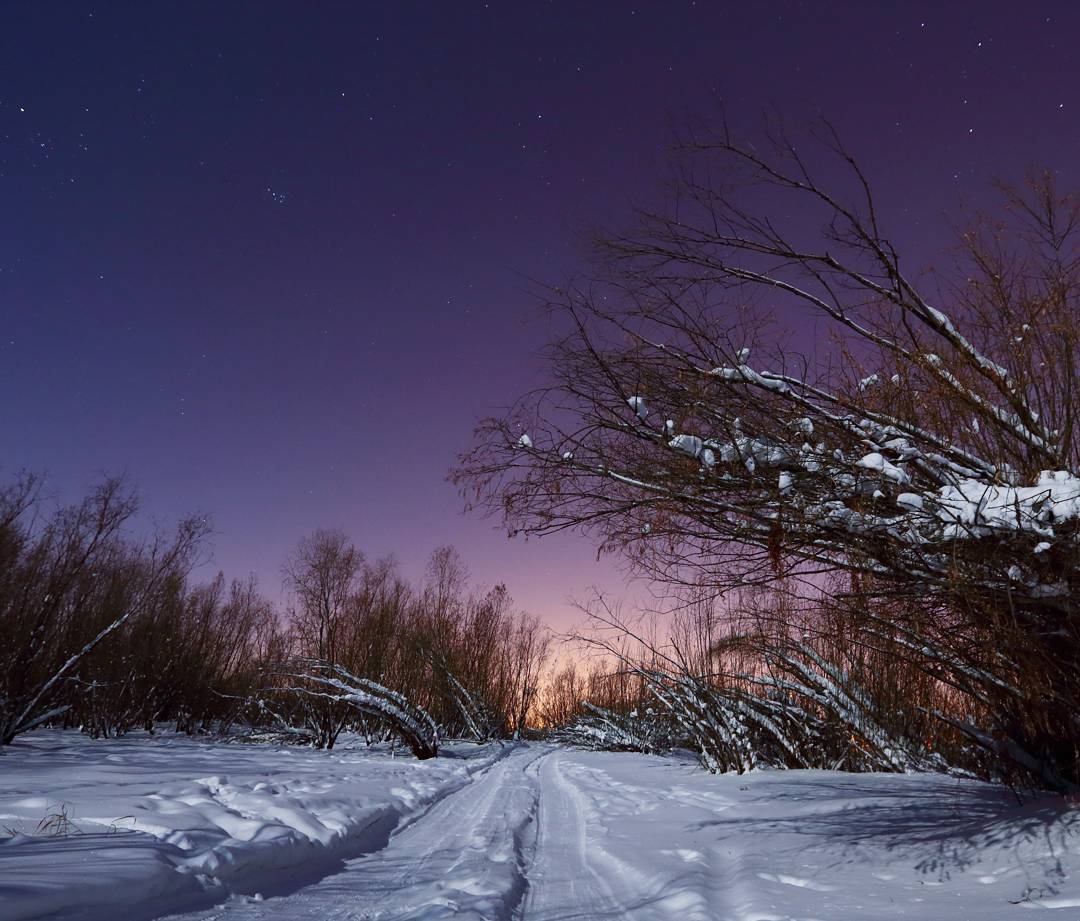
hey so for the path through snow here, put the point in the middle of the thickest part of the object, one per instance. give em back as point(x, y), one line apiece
point(465, 858)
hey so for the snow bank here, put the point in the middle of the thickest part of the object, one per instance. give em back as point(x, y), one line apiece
point(646, 837)
point(155, 824)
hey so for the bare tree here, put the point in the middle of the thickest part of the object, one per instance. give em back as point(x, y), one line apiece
point(529, 646)
point(71, 580)
point(322, 575)
point(381, 656)
point(930, 452)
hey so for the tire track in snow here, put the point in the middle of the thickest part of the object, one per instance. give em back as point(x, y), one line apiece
point(464, 857)
point(563, 883)
point(576, 873)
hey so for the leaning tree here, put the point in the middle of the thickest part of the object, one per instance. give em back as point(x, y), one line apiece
point(924, 446)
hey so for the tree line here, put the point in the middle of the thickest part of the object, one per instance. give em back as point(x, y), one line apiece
point(109, 633)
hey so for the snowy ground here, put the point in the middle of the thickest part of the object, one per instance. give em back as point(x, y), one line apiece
point(259, 833)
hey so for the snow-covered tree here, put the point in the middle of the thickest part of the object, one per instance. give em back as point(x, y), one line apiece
point(330, 682)
point(927, 449)
point(642, 729)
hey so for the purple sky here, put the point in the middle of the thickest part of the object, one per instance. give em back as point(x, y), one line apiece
point(268, 259)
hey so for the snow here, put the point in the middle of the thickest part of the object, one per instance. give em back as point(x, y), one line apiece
point(911, 501)
point(170, 822)
point(637, 404)
point(687, 444)
point(973, 506)
point(879, 463)
point(767, 380)
point(264, 833)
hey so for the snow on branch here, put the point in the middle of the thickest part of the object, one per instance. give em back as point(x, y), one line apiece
point(638, 730)
point(412, 722)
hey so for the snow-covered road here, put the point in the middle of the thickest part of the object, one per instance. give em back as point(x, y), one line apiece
point(534, 833)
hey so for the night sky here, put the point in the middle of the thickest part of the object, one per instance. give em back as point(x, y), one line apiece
point(272, 260)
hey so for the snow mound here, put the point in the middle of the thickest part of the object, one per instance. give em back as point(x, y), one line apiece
point(151, 825)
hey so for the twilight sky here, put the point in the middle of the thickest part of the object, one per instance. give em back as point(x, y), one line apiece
point(268, 258)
